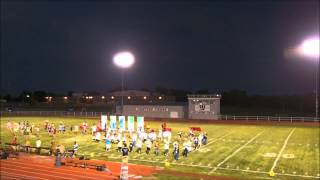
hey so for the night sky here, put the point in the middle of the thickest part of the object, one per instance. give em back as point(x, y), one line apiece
point(221, 45)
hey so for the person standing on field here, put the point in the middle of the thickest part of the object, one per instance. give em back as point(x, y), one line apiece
point(119, 146)
point(204, 140)
point(131, 146)
point(176, 153)
point(166, 148)
point(148, 144)
point(38, 145)
point(27, 145)
point(139, 146)
point(125, 150)
point(108, 143)
point(53, 147)
point(196, 142)
point(75, 148)
point(156, 149)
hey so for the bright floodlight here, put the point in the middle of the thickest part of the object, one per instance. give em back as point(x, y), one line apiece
point(310, 47)
point(123, 59)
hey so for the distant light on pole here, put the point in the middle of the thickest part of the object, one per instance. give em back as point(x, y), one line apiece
point(310, 47)
point(123, 59)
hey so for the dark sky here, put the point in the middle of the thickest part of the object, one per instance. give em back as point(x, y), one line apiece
point(220, 45)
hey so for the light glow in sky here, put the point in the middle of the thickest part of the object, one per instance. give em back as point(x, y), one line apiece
point(123, 59)
point(310, 47)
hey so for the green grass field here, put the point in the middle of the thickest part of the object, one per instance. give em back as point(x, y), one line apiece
point(241, 151)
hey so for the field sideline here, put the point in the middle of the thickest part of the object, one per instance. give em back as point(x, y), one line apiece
point(239, 151)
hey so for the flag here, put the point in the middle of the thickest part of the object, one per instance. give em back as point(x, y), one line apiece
point(103, 122)
point(131, 123)
point(140, 123)
point(122, 123)
point(113, 122)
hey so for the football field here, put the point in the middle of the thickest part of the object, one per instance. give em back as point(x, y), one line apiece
point(239, 151)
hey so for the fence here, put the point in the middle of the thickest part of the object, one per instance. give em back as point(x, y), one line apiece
point(98, 114)
point(269, 118)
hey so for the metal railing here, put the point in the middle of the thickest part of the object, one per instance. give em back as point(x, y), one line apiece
point(98, 114)
point(270, 118)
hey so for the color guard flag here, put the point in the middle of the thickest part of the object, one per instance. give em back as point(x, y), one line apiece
point(113, 122)
point(131, 123)
point(103, 122)
point(122, 123)
point(140, 123)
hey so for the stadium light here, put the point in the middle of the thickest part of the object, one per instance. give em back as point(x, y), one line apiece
point(310, 48)
point(123, 60)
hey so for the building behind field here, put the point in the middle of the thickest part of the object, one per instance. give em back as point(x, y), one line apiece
point(154, 111)
point(198, 107)
point(204, 106)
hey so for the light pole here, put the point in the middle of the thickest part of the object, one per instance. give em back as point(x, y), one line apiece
point(123, 60)
point(310, 48)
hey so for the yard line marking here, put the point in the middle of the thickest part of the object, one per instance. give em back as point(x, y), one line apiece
point(236, 151)
point(221, 137)
point(282, 149)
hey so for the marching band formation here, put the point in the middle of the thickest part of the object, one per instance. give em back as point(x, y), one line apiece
point(157, 141)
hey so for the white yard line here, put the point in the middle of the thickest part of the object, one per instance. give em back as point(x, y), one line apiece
point(236, 151)
point(293, 175)
point(282, 149)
